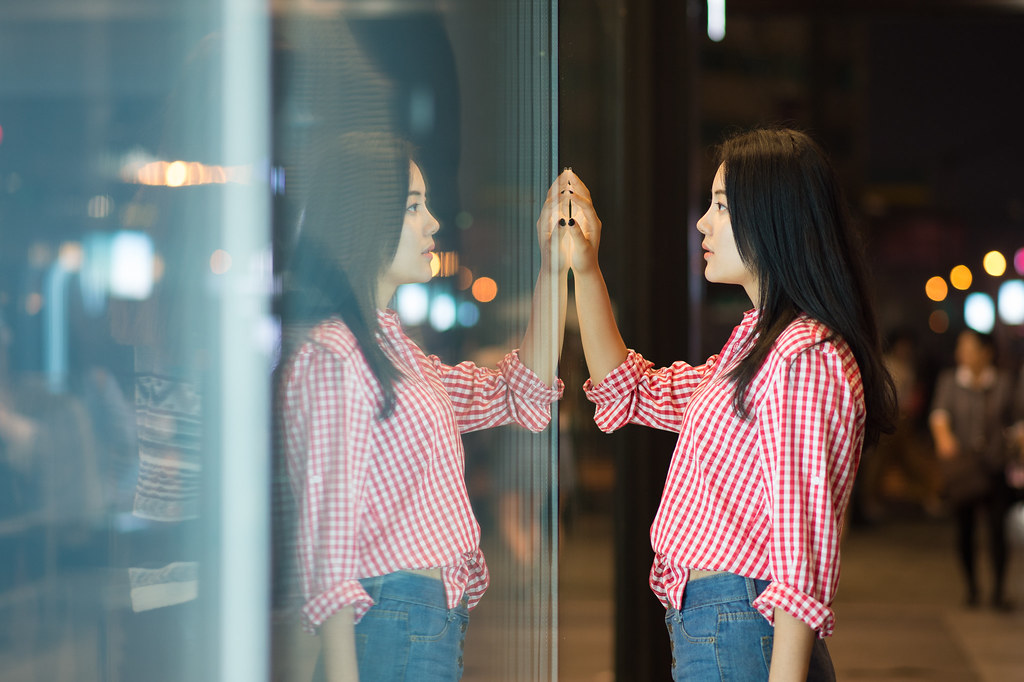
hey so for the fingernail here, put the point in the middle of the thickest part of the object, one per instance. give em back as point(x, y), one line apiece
point(572, 221)
point(561, 222)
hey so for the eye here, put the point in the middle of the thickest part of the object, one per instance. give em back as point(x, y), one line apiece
point(720, 206)
point(413, 208)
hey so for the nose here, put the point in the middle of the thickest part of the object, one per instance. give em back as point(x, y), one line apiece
point(432, 224)
point(700, 224)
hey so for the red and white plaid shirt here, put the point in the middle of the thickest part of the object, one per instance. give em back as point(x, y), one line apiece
point(374, 497)
point(762, 497)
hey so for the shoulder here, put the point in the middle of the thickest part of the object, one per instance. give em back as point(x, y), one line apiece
point(328, 344)
point(333, 336)
point(806, 334)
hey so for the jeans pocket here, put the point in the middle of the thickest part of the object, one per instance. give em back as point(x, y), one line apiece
point(382, 644)
point(767, 642)
point(429, 623)
point(699, 624)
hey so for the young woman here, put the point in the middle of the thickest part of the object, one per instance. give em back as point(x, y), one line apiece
point(746, 538)
point(386, 542)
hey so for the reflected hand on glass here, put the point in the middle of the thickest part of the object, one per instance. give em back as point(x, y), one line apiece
point(584, 227)
point(552, 224)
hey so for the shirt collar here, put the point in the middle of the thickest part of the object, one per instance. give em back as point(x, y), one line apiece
point(388, 319)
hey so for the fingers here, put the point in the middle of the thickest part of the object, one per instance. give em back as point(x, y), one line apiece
point(568, 201)
point(576, 184)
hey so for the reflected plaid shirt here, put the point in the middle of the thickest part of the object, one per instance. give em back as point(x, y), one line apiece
point(374, 497)
point(762, 497)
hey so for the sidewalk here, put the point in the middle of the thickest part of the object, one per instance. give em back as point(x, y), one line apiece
point(899, 612)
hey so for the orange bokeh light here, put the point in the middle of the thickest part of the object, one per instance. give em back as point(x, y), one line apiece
point(464, 277)
point(961, 277)
point(938, 322)
point(936, 289)
point(485, 289)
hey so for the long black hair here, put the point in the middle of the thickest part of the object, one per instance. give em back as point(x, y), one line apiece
point(792, 229)
point(350, 228)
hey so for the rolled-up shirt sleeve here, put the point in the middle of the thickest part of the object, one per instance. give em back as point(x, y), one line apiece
point(485, 397)
point(326, 424)
point(636, 393)
point(811, 438)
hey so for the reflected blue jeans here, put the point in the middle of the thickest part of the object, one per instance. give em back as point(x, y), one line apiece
point(410, 633)
point(719, 636)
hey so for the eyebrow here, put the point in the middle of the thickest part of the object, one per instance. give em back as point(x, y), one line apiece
point(415, 193)
point(717, 192)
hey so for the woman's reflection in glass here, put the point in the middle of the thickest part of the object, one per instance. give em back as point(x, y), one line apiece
point(386, 543)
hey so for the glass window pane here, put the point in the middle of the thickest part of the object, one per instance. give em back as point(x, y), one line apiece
point(469, 86)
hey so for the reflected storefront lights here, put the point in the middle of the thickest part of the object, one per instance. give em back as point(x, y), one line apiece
point(485, 289)
point(412, 302)
point(442, 312)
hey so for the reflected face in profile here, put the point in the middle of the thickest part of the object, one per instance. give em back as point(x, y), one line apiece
point(722, 258)
point(412, 258)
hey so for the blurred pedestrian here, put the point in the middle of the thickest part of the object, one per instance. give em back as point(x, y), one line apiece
point(970, 416)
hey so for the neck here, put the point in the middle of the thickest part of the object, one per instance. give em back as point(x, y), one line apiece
point(753, 293)
point(385, 292)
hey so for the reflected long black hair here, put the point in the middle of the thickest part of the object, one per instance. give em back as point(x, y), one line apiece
point(792, 228)
point(350, 228)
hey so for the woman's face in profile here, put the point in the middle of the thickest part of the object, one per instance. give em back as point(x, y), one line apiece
point(412, 258)
point(722, 258)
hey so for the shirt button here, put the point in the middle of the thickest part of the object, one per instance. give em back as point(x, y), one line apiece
point(816, 480)
point(315, 479)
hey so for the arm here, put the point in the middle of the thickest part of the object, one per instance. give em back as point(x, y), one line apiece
point(811, 428)
point(339, 642)
point(542, 342)
point(602, 343)
point(791, 649)
point(327, 419)
point(946, 444)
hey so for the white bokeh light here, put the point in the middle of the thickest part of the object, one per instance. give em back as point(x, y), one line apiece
point(131, 266)
point(412, 303)
point(980, 312)
point(442, 312)
point(1011, 302)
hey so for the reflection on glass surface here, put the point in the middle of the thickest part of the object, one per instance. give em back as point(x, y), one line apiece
point(130, 269)
point(400, 73)
point(148, 212)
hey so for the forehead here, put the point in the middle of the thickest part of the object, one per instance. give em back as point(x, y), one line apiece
point(718, 185)
point(416, 182)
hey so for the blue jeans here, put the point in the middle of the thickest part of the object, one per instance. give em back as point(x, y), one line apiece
point(409, 634)
point(719, 635)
